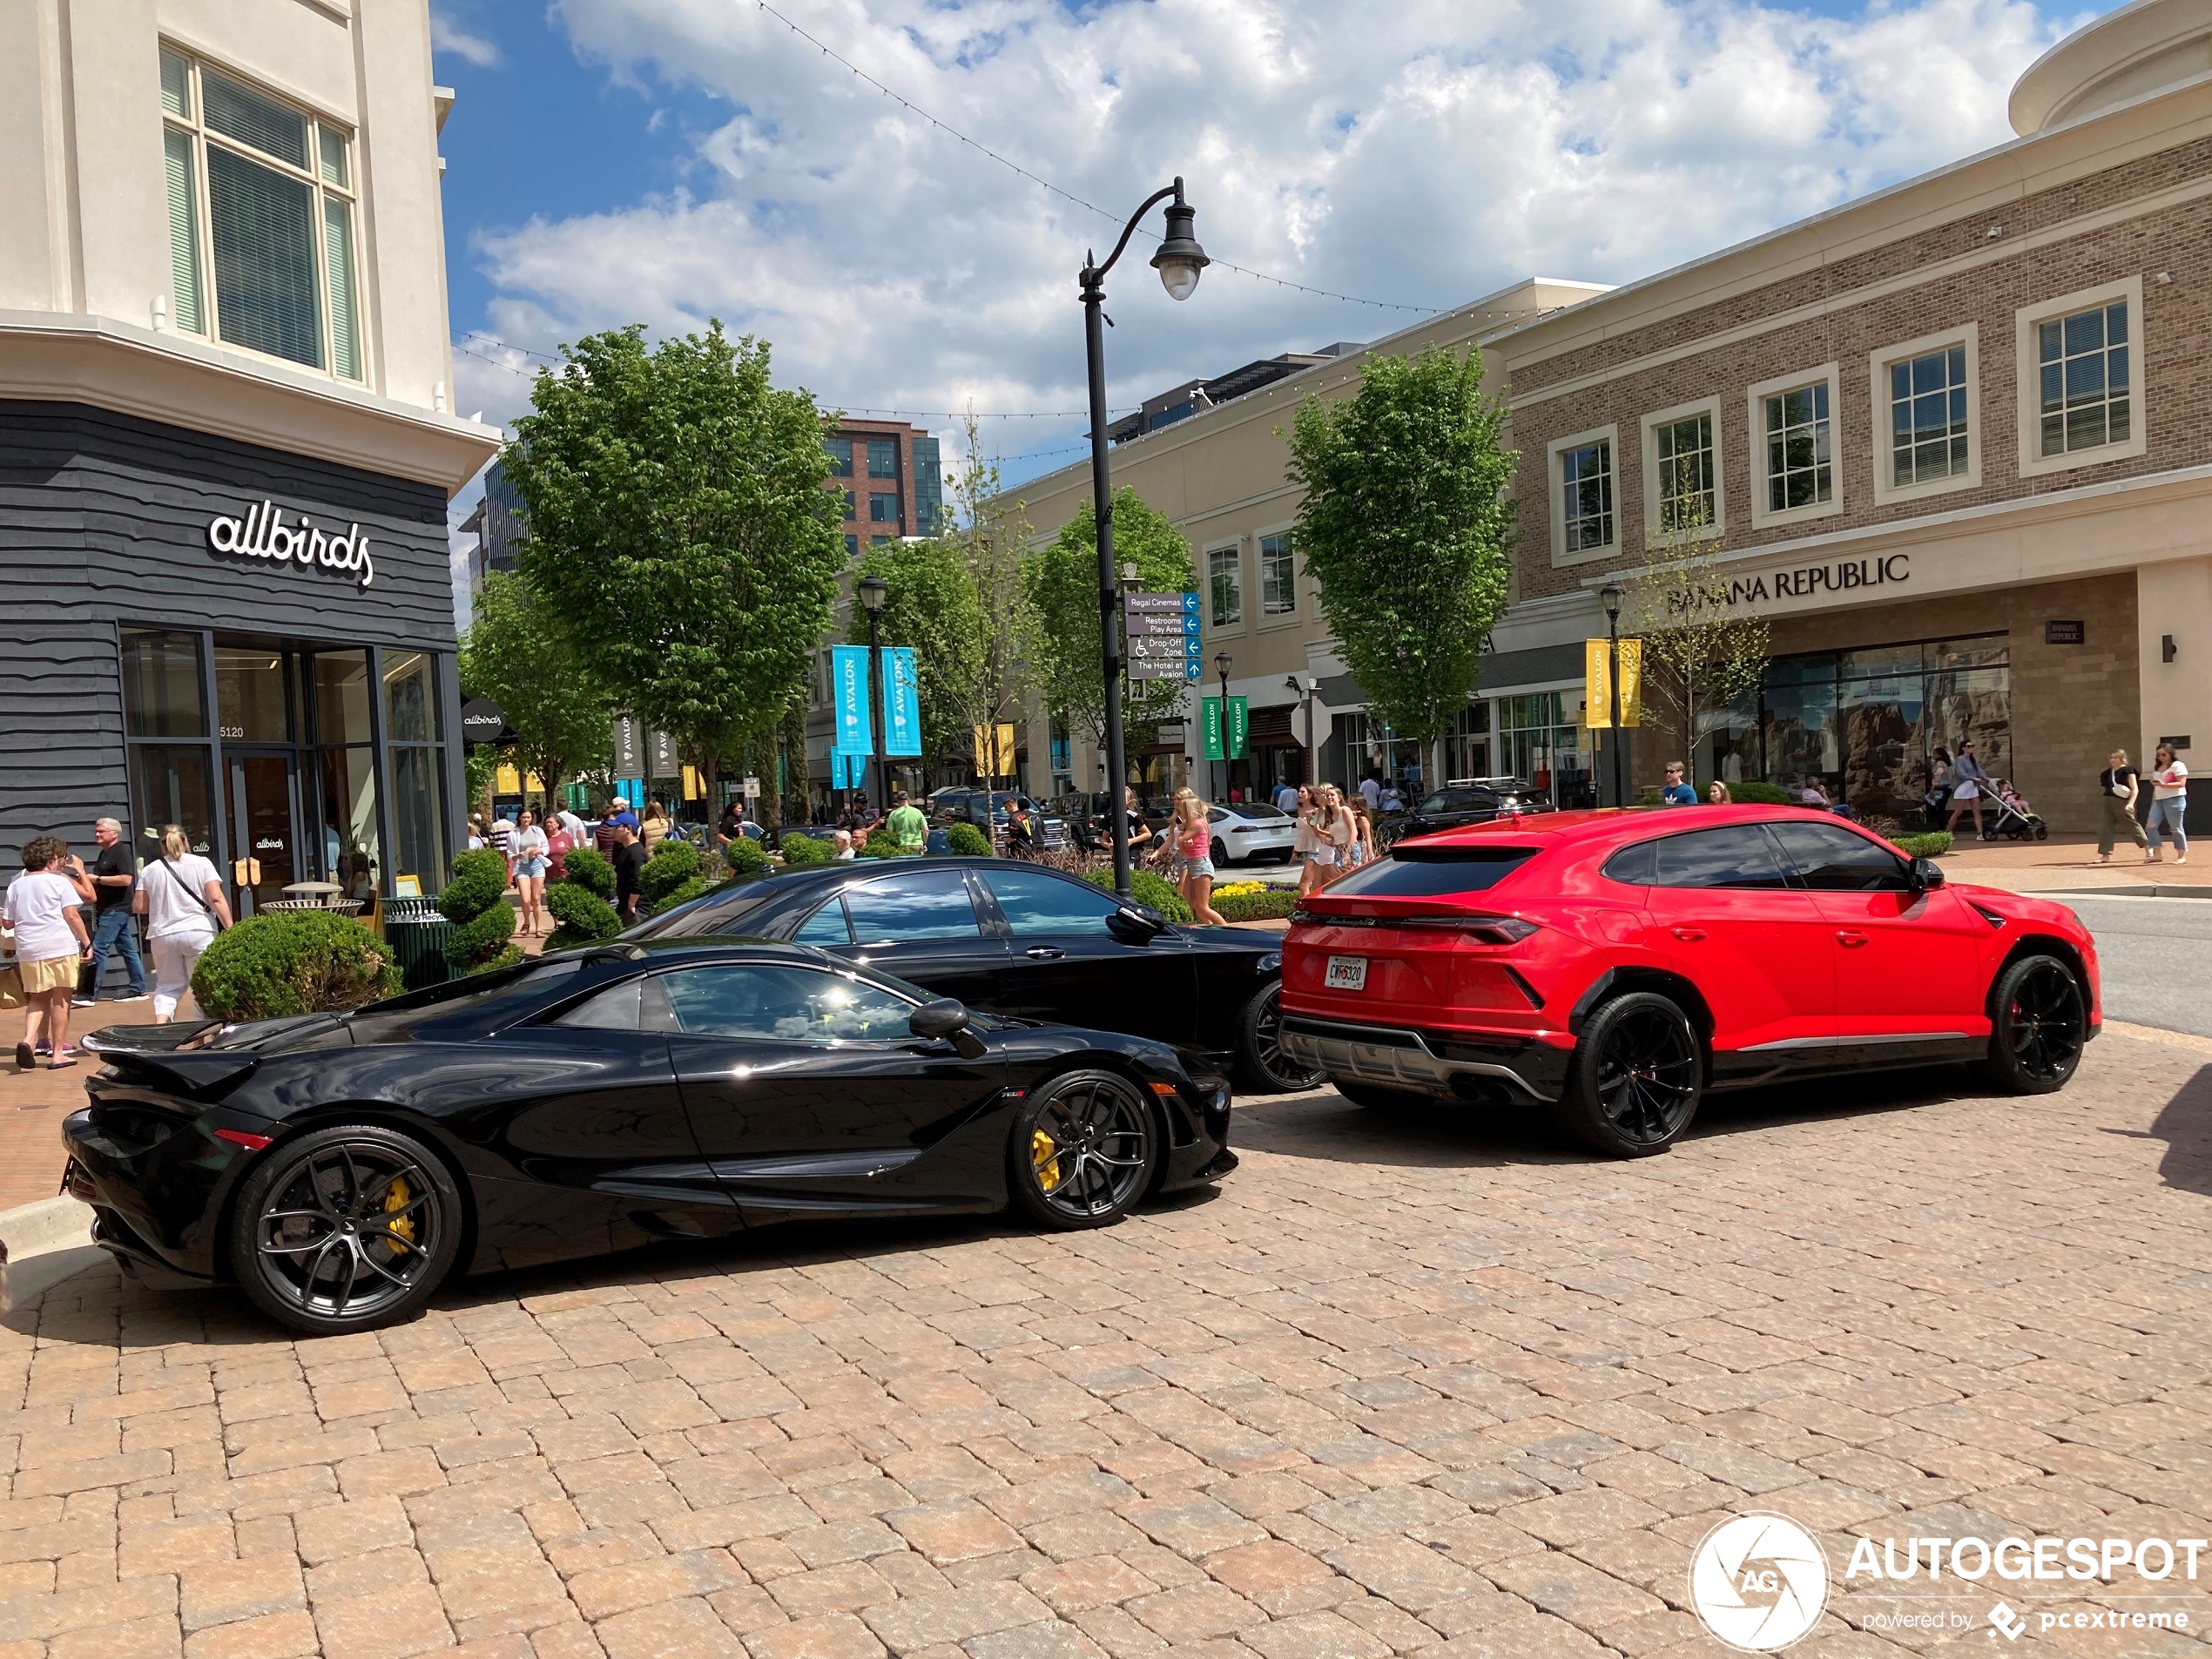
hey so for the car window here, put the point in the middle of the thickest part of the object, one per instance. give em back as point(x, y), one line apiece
point(637, 1004)
point(1832, 860)
point(826, 927)
point(1631, 865)
point(768, 1003)
point(716, 913)
point(931, 904)
point(1038, 906)
point(1424, 872)
point(1738, 856)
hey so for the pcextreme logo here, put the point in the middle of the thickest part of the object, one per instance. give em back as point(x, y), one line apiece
point(1759, 1582)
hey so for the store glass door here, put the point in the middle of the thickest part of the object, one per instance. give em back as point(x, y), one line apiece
point(265, 825)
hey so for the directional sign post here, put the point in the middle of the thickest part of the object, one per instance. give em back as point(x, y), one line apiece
point(1164, 642)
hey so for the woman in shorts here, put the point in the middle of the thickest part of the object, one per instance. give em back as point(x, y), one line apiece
point(51, 945)
point(533, 858)
point(1193, 848)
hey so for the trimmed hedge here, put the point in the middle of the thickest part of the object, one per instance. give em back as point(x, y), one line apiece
point(673, 865)
point(968, 841)
point(1274, 904)
point(587, 869)
point(474, 901)
point(1761, 795)
point(882, 844)
point(1932, 845)
point(294, 962)
point(744, 857)
point(1151, 887)
point(803, 851)
point(586, 918)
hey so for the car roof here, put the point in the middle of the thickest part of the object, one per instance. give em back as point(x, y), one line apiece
point(1609, 825)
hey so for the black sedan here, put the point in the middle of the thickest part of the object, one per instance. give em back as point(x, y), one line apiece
point(1020, 939)
point(337, 1167)
point(1461, 802)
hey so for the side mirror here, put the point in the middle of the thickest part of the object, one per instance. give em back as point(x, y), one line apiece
point(1924, 876)
point(945, 1020)
point(1138, 923)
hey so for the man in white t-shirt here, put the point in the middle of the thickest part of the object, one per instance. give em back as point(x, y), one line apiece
point(1371, 792)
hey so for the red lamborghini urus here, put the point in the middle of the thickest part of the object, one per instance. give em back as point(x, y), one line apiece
point(1614, 965)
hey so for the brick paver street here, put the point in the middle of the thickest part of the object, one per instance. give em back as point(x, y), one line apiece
point(1402, 1385)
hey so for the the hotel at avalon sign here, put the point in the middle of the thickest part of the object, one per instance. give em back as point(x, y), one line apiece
point(262, 534)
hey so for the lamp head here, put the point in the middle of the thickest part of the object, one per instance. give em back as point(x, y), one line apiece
point(1221, 660)
point(1180, 258)
point(873, 589)
point(1611, 593)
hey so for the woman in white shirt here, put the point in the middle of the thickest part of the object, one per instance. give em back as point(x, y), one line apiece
point(51, 945)
point(182, 900)
point(530, 865)
point(2169, 803)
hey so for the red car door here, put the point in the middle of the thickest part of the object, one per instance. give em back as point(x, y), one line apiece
point(1725, 915)
point(1908, 964)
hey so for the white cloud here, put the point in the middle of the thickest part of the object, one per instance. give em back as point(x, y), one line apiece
point(446, 35)
point(1425, 150)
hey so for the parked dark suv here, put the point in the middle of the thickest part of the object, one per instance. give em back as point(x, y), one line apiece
point(1460, 802)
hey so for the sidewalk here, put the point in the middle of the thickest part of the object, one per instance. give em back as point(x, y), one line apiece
point(2068, 862)
point(33, 1103)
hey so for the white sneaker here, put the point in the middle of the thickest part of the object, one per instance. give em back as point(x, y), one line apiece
point(83, 1001)
point(133, 996)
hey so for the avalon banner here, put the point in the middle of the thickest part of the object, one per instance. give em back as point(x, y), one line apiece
point(849, 681)
point(901, 703)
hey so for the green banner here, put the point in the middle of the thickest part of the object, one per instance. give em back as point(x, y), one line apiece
point(1210, 724)
point(1240, 726)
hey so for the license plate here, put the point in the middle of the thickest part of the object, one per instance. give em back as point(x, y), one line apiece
point(1347, 974)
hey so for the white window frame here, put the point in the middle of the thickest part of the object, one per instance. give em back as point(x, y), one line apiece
point(2030, 378)
point(1878, 376)
point(1235, 548)
point(1280, 619)
point(1763, 517)
point(1654, 537)
point(195, 125)
point(1554, 506)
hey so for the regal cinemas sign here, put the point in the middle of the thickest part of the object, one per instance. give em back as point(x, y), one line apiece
point(1862, 577)
point(262, 534)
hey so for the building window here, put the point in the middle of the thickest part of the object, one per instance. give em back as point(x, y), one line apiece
point(880, 540)
point(1277, 576)
point(851, 547)
point(1585, 495)
point(1799, 464)
point(883, 509)
point(852, 505)
point(2082, 380)
point(929, 492)
point(1225, 585)
point(1928, 400)
point(840, 456)
point(1683, 452)
point(416, 757)
point(883, 457)
point(261, 197)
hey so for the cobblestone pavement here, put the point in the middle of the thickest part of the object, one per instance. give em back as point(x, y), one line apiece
point(1402, 1386)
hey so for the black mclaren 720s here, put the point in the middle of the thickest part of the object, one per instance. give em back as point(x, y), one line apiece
point(339, 1167)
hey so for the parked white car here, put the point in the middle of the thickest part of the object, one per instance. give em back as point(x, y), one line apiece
point(1250, 832)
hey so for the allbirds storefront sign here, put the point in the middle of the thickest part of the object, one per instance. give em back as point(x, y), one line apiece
point(262, 534)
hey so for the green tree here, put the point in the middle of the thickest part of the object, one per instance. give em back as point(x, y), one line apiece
point(1060, 580)
point(1405, 527)
point(679, 533)
point(1701, 655)
point(515, 655)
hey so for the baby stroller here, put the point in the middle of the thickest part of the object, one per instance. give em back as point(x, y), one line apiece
point(2011, 816)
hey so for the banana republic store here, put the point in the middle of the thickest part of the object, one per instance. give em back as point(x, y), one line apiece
point(254, 646)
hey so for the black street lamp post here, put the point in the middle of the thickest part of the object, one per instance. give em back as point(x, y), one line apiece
point(1611, 594)
point(872, 591)
point(1221, 660)
point(1179, 262)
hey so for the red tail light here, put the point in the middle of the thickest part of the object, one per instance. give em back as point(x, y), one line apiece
point(241, 1137)
point(1490, 930)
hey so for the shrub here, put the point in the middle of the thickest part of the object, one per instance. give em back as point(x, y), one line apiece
point(1270, 904)
point(1761, 795)
point(673, 864)
point(744, 857)
point(802, 851)
point(294, 962)
point(474, 901)
point(1151, 887)
point(881, 844)
point(585, 869)
point(1923, 846)
point(586, 918)
point(968, 841)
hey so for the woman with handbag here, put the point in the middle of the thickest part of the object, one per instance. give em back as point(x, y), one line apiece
point(181, 897)
point(51, 945)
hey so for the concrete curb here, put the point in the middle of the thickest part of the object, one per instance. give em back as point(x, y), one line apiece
point(43, 1244)
point(2134, 890)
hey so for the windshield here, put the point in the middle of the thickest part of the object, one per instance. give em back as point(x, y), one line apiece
point(1418, 871)
point(711, 913)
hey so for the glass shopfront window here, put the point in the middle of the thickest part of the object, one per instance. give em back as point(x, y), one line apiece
point(162, 695)
point(341, 696)
point(253, 703)
point(350, 843)
point(170, 785)
point(1539, 739)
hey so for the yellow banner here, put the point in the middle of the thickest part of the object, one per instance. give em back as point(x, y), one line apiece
point(691, 782)
point(994, 749)
point(507, 781)
point(1597, 683)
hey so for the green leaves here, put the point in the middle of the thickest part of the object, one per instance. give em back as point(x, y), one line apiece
point(1405, 528)
point(517, 654)
point(1061, 582)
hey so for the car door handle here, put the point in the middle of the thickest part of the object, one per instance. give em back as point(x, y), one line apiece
point(1692, 934)
point(1044, 953)
point(1850, 942)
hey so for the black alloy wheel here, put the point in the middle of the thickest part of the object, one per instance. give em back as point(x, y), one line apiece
point(1635, 1082)
point(1259, 1046)
point(1083, 1150)
point(347, 1229)
point(2040, 1024)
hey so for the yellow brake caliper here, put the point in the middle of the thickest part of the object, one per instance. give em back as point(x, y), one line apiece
point(1044, 1155)
point(396, 1198)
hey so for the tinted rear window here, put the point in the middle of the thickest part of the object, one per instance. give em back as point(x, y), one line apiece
point(1431, 872)
point(715, 913)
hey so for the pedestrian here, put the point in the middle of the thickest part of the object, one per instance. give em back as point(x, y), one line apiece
point(1022, 831)
point(1393, 799)
point(1371, 791)
point(2170, 802)
point(569, 821)
point(560, 841)
point(602, 832)
point(181, 897)
point(1140, 832)
point(1288, 797)
point(1190, 838)
point(629, 860)
point(1969, 784)
point(843, 848)
point(1718, 795)
point(114, 873)
point(653, 828)
point(1940, 783)
point(502, 837)
point(1677, 792)
point(2118, 785)
point(1332, 835)
point(51, 945)
point(733, 824)
point(1362, 850)
point(1301, 812)
point(532, 848)
point(476, 835)
point(909, 826)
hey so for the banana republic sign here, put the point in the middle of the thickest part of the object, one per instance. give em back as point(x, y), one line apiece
point(262, 534)
point(1864, 576)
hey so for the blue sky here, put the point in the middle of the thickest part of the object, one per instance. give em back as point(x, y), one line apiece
point(665, 161)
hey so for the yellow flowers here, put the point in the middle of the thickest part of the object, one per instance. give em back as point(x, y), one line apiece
point(1239, 890)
